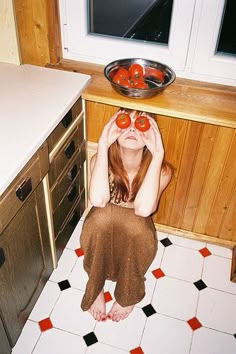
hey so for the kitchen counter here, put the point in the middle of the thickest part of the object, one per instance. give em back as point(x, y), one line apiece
point(184, 99)
point(33, 101)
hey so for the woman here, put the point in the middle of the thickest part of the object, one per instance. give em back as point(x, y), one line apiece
point(128, 175)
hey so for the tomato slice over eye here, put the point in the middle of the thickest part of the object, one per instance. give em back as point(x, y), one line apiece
point(142, 123)
point(123, 120)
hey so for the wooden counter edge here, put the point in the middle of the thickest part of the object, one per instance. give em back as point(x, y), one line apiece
point(107, 95)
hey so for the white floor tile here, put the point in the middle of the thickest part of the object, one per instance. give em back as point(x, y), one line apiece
point(157, 260)
point(186, 242)
point(74, 241)
point(166, 335)
point(220, 251)
point(100, 348)
point(182, 263)
point(208, 341)
point(216, 310)
point(67, 315)
point(65, 265)
point(46, 302)
point(55, 341)
point(216, 273)
point(175, 298)
point(124, 335)
point(150, 284)
point(28, 338)
point(161, 235)
point(78, 277)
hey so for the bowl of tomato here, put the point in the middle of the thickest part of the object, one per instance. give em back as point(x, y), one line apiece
point(138, 78)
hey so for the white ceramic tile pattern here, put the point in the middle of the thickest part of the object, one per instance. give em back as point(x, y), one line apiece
point(68, 315)
point(28, 338)
point(59, 342)
point(174, 298)
point(166, 335)
point(216, 310)
point(46, 302)
point(216, 274)
point(208, 341)
point(182, 263)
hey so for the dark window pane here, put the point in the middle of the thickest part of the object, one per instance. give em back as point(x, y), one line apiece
point(227, 38)
point(146, 20)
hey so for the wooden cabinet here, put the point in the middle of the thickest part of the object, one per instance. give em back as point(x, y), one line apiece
point(25, 254)
point(66, 182)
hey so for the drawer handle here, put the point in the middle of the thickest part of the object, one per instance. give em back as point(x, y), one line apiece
point(72, 194)
point(24, 189)
point(72, 173)
point(70, 149)
point(2, 257)
point(67, 120)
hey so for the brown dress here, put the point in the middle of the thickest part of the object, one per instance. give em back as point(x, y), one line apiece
point(119, 246)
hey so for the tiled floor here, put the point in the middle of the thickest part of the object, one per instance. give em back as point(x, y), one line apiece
point(189, 307)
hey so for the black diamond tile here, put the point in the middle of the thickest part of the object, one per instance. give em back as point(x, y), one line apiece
point(200, 285)
point(149, 310)
point(90, 338)
point(166, 242)
point(64, 284)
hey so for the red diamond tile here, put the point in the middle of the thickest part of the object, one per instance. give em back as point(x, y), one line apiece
point(194, 323)
point(45, 324)
point(107, 296)
point(137, 350)
point(158, 273)
point(205, 252)
point(79, 252)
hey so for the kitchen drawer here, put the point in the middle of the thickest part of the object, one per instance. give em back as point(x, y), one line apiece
point(66, 153)
point(23, 186)
point(70, 223)
point(74, 170)
point(65, 124)
point(66, 204)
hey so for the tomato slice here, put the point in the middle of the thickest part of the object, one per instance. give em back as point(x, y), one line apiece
point(142, 123)
point(123, 120)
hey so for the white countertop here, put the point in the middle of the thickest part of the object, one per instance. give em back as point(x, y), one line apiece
point(33, 100)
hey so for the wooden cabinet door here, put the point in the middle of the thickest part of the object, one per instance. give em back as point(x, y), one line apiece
point(26, 263)
point(4, 343)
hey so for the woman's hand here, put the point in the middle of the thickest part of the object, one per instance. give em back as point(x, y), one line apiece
point(111, 132)
point(152, 138)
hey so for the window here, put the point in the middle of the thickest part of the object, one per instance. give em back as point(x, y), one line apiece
point(195, 37)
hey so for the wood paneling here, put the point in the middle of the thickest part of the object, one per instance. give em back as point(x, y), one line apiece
point(38, 31)
point(201, 196)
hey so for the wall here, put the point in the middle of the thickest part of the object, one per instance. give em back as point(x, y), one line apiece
point(9, 52)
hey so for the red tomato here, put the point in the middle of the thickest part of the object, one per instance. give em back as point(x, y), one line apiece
point(121, 81)
point(142, 123)
point(142, 85)
point(123, 73)
point(155, 73)
point(136, 70)
point(123, 120)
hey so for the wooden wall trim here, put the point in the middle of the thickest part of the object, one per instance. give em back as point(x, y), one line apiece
point(38, 31)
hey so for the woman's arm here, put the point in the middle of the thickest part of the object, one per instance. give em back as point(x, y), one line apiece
point(99, 190)
point(156, 179)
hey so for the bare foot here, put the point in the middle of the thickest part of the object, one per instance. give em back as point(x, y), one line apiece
point(98, 308)
point(118, 313)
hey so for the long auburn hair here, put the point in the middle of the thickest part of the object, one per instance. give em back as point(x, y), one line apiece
point(121, 188)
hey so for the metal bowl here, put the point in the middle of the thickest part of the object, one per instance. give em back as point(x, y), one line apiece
point(154, 85)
